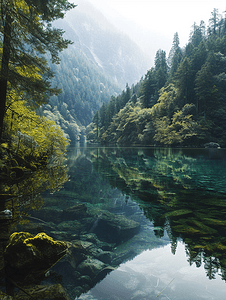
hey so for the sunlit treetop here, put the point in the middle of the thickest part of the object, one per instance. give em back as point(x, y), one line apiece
point(26, 35)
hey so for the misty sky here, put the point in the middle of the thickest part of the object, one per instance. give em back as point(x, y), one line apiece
point(166, 16)
point(161, 17)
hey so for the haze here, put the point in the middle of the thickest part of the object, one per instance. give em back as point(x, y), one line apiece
point(152, 24)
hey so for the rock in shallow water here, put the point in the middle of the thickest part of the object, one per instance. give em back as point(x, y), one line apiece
point(113, 228)
point(27, 254)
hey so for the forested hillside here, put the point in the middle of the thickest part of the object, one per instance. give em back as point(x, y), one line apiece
point(84, 88)
point(98, 65)
point(180, 101)
point(104, 45)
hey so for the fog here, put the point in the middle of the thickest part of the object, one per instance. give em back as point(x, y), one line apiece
point(153, 23)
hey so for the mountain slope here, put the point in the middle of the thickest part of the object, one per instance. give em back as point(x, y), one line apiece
point(115, 53)
point(98, 65)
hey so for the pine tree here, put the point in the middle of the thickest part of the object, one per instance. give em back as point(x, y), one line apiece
point(148, 89)
point(175, 55)
point(213, 21)
point(161, 68)
point(184, 81)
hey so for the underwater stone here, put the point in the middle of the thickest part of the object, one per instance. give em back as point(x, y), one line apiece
point(75, 212)
point(113, 228)
point(91, 267)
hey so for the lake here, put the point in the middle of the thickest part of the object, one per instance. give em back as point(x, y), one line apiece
point(140, 223)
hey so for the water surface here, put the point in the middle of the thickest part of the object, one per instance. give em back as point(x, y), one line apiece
point(142, 223)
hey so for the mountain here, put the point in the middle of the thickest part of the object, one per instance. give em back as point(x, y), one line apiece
point(113, 51)
point(98, 65)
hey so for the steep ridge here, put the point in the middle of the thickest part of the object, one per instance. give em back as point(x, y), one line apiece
point(99, 64)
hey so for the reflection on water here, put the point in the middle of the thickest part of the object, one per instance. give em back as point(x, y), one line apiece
point(158, 274)
point(17, 198)
point(152, 219)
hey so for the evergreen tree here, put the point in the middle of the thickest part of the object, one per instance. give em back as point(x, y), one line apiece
point(161, 68)
point(175, 54)
point(203, 89)
point(27, 35)
point(197, 34)
point(148, 89)
point(213, 21)
point(183, 81)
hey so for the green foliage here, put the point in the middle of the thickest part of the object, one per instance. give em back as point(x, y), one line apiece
point(27, 34)
point(179, 104)
point(30, 137)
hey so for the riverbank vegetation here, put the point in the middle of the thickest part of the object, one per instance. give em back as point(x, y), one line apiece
point(26, 139)
point(180, 101)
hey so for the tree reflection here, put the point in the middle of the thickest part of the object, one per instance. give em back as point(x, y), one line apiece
point(20, 197)
point(185, 192)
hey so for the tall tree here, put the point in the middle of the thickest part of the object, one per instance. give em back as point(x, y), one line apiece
point(197, 34)
point(27, 34)
point(148, 89)
point(213, 21)
point(183, 81)
point(175, 54)
point(161, 68)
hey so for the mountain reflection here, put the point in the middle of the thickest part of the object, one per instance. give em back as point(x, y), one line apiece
point(180, 191)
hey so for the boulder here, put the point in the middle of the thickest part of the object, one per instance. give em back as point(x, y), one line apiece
point(91, 267)
point(95, 269)
point(75, 212)
point(30, 255)
point(212, 145)
point(113, 228)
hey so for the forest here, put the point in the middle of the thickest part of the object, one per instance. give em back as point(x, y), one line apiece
point(181, 101)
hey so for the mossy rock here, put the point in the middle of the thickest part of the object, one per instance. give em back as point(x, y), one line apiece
point(27, 254)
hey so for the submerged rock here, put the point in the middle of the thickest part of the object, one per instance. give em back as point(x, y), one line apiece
point(113, 228)
point(95, 269)
point(31, 255)
point(75, 212)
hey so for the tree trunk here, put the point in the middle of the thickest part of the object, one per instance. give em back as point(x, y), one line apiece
point(5, 69)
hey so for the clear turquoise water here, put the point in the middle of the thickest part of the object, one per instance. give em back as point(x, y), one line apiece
point(178, 196)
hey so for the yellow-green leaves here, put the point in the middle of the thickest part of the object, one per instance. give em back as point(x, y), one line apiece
point(31, 134)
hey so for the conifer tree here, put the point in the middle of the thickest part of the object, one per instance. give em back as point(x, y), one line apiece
point(27, 34)
point(175, 54)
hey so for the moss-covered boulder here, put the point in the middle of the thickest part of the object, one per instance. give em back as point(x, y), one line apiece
point(32, 255)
